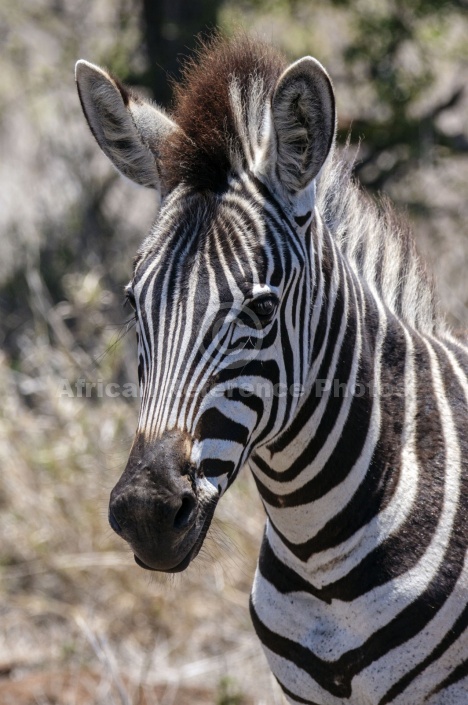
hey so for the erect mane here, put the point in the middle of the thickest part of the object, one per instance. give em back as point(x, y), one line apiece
point(209, 147)
point(220, 104)
point(379, 245)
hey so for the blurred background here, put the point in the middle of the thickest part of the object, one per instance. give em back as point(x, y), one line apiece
point(79, 622)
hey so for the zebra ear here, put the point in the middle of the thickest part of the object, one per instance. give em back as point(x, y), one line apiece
point(128, 129)
point(303, 113)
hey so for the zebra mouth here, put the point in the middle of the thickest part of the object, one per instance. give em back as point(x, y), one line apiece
point(176, 569)
point(192, 553)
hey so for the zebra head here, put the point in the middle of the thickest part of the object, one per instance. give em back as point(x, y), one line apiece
point(223, 287)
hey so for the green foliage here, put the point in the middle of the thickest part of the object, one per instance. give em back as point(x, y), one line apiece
point(394, 48)
point(390, 56)
point(229, 693)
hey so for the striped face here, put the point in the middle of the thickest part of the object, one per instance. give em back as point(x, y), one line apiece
point(221, 291)
point(223, 287)
point(221, 297)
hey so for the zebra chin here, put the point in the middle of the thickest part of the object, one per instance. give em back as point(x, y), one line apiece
point(160, 506)
point(150, 560)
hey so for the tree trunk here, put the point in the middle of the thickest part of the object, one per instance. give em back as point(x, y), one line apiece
point(169, 30)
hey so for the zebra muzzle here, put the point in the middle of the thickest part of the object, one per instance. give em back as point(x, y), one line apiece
point(157, 506)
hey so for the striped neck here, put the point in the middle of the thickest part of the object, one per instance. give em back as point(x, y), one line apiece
point(323, 479)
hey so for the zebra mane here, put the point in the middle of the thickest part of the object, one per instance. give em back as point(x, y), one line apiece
point(214, 142)
point(211, 145)
point(379, 245)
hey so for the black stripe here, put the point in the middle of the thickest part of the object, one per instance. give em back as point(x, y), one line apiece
point(295, 427)
point(459, 627)
point(251, 401)
point(213, 467)
point(458, 674)
point(288, 353)
point(214, 424)
point(403, 550)
point(403, 627)
point(302, 219)
point(342, 459)
point(323, 672)
point(293, 696)
point(336, 676)
point(283, 578)
point(266, 372)
point(358, 419)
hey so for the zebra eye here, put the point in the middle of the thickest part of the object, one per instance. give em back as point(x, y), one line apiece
point(130, 297)
point(264, 307)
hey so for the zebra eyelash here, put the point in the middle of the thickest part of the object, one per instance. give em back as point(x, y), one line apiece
point(129, 300)
point(259, 311)
point(264, 306)
point(129, 297)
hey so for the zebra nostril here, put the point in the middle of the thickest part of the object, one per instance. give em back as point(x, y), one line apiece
point(114, 523)
point(185, 513)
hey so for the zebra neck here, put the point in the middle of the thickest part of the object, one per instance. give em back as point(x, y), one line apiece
point(333, 470)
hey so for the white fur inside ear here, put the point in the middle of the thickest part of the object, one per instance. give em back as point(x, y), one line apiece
point(304, 201)
point(301, 129)
point(128, 129)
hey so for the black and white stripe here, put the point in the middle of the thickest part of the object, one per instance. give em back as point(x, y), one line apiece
point(348, 401)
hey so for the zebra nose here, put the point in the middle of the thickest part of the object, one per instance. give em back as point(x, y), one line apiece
point(114, 523)
point(155, 505)
point(138, 509)
point(185, 515)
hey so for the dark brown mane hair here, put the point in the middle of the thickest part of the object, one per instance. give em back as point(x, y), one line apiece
point(208, 149)
point(200, 155)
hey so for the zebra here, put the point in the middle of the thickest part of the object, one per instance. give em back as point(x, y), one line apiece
point(286, 322)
